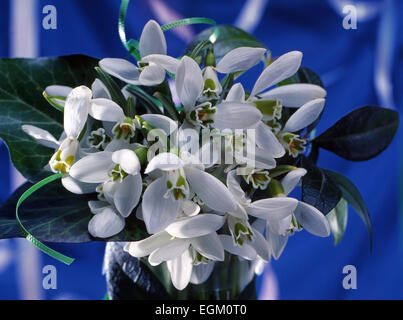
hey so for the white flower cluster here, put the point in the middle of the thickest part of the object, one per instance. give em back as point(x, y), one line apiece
point(196, 212)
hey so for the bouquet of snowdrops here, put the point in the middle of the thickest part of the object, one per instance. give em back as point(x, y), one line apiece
point(176, 160)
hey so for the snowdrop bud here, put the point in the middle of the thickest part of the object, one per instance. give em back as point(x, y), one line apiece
point(64, 158)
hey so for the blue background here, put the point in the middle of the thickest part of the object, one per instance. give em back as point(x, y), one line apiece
point(310, 267)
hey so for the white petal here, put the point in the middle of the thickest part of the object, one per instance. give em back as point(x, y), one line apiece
point(305, 115)
point(127, 160)
point(295, 95)
point(272, 208)
point(152, 75)
point(201, 272)
point(211, 190)
point(236, 115)
point(240, 59)
point(164, 123)
point(245, 251)
point(281, 69)
point(168, 63)
point(128, 194)
point(234, 186)
point(78, 187)
point(152, 40)
point(121, 69)
point(312, 220)
point(106, 110)
point(282, 226)
point(209, 246)
point(197, 226)
point(261, 246)
point(236, 93)
point(145, 247)
point(97, 206)
point(99, 90)
point(291, 180)
point(171, 250)
point(266, 140)
point(262, 159)
point(93, 168)
point(158, 211)
point(164, 161)
point(106, 224)
point(190, 208)
point(181, 270)
point(76, 111)
point(277, 243)
point(60, 91)
point(189, 82)
point(42, 136)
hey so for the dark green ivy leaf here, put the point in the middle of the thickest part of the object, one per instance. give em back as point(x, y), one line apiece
point(22, 82)
point(353, 197)
point(317, 189)
point(53, 214)
point(362, 134)
point(226, 38)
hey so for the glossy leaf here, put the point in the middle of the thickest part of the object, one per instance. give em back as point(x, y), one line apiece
point(338, 220)
point(362, 134)
point(317, 189)
point(53, 214)
point(129, 278)
point(353, 197)
point(22, 82)
point(225, 38)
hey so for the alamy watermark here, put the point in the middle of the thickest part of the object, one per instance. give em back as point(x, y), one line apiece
point(350, 19)
point(350, 278)
point(49, 21)
point(49, 281)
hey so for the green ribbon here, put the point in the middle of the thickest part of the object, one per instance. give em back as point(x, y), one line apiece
point(132, 46)
point(186, 22)
point(45, 249)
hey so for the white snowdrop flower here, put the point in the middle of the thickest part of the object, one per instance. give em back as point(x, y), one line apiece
point(184, 244)
point(119, 174)
point(76, 110)
point(163, 199)
point(227, 115)
point(304, 215)
point(154, 61)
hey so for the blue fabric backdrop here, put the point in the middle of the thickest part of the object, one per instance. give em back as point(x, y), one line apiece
point(310, 268)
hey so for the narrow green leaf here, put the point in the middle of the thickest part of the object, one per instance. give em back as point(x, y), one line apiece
point(338, 220)
point(353, 197)
point(362, 134)
point(151, 103)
